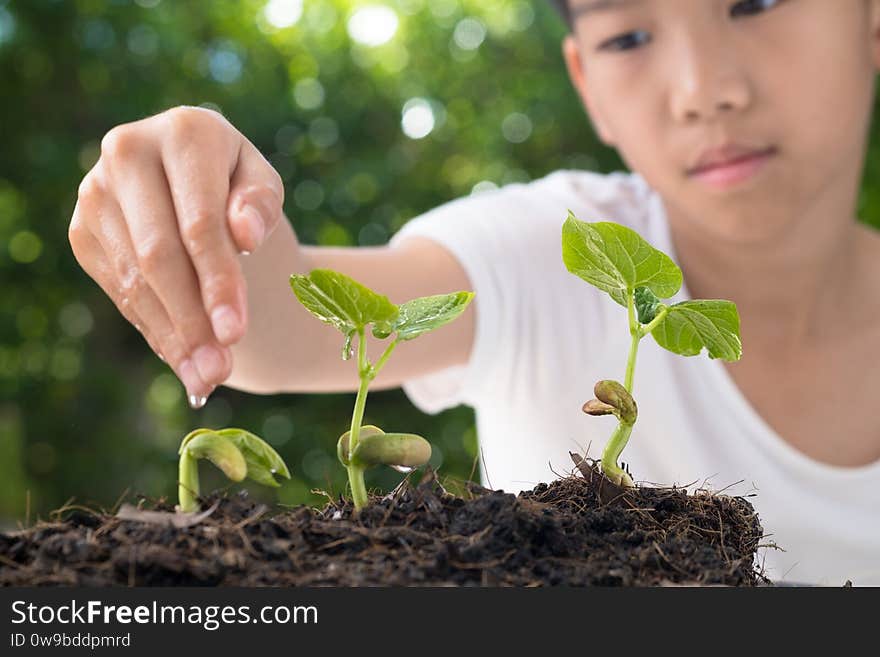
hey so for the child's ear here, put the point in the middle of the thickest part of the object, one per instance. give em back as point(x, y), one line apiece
point(573, 63)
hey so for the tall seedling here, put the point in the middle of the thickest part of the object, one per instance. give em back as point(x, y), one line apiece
point(351, 307)
point(635, 275)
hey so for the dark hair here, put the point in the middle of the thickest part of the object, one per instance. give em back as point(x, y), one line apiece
point(561, 7)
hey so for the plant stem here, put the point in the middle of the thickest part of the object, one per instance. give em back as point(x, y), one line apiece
point(188, 483)
point(621, 434)
point(613, 450)
point(659, 317)
point(631, 362)
point(382, 360)
point(635, 332)
point(638, 331)
point(355, 473)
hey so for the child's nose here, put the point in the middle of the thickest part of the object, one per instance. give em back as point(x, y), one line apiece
point(706, 82)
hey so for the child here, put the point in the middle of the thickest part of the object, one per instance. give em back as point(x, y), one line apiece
point(745, 124)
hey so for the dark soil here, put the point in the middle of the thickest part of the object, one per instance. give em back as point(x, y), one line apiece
point(577, 531)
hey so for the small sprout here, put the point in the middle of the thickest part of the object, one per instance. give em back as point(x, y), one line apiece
point(239, 454)
point(618, 261)
point(351, 307)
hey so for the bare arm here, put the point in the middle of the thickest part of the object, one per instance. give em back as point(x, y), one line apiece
point(160, 223)
point(287, 349)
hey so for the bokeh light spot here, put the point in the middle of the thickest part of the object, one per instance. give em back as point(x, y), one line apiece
point(164, 394)
point(224, 64)
point(283, 13)
point(66, 364)
point(308, 93)
point(516, 127)
point(469, 34)
point(323, 132)
point(417, 118)
point(372, 234)
point(308, 195)
point(97, 34)
point(25, 247)
point(333, 234)
point(373, 25)
point(277, 429)
point(316, 464)
point(7, 25)
point(75, 319)
point(143, 40)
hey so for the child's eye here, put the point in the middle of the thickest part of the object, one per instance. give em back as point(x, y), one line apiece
point(752, 7)
point(628, 41)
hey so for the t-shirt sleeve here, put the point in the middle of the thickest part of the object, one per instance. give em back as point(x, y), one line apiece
point(468, 229)
point(499, 237)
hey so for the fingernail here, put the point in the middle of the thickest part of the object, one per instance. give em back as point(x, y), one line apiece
point(256, 226)
point(190, 378)
point(209, 363)
point(226, 323)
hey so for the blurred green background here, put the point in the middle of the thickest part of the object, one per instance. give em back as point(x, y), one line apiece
point(372, 112)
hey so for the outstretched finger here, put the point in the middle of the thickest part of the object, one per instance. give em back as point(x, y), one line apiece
point(199, 188)
point(103, 247)
point(152, 261)
point(256, 199)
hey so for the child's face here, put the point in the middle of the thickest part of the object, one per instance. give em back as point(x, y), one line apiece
point(787, 81)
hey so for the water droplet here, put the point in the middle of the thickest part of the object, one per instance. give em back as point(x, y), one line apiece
point(196, 402)
point(405, 469)
point(347, 349)
point(274, 471)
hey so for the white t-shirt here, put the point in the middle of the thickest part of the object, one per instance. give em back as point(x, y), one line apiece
point(544, 337)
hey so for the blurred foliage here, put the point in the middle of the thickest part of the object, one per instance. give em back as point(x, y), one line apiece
point(371, 117)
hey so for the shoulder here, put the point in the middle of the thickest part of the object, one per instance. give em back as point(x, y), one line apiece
point(619, 196)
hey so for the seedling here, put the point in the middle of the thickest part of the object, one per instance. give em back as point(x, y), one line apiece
point(351, 307)
point(238, 453)
point(618, 261)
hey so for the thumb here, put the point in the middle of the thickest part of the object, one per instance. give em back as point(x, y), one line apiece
point(256, 198)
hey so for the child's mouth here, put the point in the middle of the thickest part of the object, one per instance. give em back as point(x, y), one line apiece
point(725, 172)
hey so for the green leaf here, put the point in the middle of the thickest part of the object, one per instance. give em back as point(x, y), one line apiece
point(263, 462)
point(341, 301)
point(617, 260)
point(690, 326)
point(647, 304)
point(428, 313)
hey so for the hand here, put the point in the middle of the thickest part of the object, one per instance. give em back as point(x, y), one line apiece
point(159, 224)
